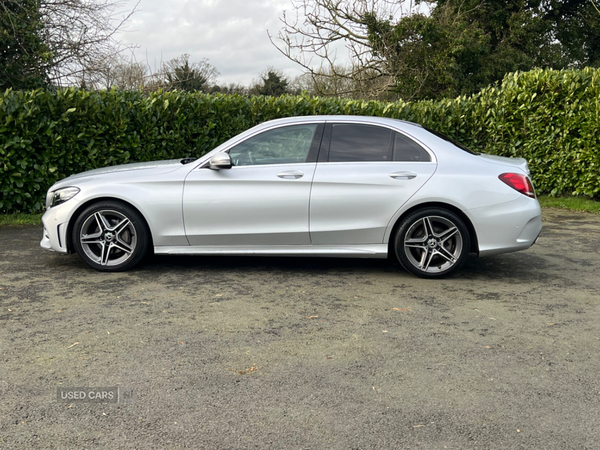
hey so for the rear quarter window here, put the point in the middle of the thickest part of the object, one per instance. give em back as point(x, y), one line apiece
point(405, 149)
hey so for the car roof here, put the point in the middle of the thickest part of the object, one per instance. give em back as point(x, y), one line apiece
point(342, 118)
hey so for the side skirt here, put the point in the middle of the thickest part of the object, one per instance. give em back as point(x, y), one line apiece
point(341, 251)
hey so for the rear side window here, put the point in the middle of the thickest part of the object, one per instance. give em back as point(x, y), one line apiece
point(353, 142)
point(405, 149)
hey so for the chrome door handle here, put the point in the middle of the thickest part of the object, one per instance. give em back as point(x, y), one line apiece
point(290, 174)
point(403, 175)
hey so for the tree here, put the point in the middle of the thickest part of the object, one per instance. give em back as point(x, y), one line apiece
point(114, 71)
point(545, 33)
point(130, 76)
point(79, 33)
point(429, 56)
point(272, 83)
point(57, 40)
point(180, 74)
point(24, 57)
point(576, 25)
point(321, 84)
point(314, 30)
point(458, 47)
point(230, 89)
point(324, 83)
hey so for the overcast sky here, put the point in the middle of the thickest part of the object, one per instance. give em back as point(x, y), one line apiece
point(232, 34)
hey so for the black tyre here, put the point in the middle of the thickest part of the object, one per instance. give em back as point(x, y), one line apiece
point(432, 243)
point(111, 236)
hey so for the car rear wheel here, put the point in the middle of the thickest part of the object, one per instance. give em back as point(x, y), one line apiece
point(110, 236)
point(432, 243)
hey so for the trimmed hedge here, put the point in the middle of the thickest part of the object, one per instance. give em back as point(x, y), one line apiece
point(552, 118)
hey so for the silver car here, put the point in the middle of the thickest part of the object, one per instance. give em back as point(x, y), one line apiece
point(343, 186)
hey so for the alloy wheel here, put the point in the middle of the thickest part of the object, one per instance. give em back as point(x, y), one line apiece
point(433, 244)
point(108, 237)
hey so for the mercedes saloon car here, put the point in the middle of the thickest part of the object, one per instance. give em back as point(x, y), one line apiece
point(333, 186)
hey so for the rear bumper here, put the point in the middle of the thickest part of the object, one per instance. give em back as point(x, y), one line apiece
point(507, 227)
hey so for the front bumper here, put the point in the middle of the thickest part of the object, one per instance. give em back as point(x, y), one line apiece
point(54, 236)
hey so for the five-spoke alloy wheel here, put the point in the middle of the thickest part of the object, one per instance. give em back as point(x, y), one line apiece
point(110, 236)
point(432, 243)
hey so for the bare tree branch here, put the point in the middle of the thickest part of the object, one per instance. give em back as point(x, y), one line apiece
point(78, 34)
point(314, 28)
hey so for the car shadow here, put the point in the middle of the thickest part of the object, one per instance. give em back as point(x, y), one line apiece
point(516, 267)
point(252, 263)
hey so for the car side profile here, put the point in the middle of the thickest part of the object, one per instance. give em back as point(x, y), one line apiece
point(341, 186)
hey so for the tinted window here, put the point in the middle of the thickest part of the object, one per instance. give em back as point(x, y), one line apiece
point(405, 149)
point(284, 145)
point(351, 142)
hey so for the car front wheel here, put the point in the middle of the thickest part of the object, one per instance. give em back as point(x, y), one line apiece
point(432, 243)
point(110, 236)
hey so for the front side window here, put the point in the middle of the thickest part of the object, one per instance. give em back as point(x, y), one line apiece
point(286, 145)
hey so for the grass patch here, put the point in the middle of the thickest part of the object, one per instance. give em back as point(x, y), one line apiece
point(20, 219)
point(570, 203)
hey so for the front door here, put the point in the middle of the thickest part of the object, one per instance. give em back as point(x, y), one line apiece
point(262, 200)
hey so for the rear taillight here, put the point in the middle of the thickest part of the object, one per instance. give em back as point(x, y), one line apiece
point(518, 182)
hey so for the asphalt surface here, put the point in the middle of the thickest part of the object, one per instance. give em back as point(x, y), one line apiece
point(305, 353)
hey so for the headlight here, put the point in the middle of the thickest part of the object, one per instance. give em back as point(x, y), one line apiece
point(62, 195)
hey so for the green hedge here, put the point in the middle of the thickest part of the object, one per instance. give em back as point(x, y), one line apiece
point(552, 118)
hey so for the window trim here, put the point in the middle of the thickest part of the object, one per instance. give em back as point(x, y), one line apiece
point(323, 152)
point(326, 144)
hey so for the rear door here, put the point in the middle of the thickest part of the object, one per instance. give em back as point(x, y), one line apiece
point(364, 175)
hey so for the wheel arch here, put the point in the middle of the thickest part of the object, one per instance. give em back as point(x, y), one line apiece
point(86, 204)
point(472, 234)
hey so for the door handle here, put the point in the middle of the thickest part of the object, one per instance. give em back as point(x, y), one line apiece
point(290, 174)
point(403, 175)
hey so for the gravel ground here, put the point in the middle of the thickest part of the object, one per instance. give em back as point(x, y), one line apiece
point(305, 353)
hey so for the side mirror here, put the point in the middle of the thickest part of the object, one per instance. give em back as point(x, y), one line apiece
point(220, 161)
